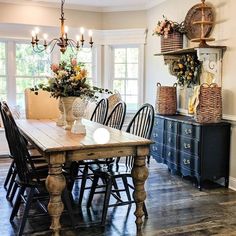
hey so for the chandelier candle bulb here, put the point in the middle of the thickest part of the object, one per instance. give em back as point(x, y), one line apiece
point(63, 41)
point(90, 33)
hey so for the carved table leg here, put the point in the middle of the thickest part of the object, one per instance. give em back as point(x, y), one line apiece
point(55, 184)
point(139, 175)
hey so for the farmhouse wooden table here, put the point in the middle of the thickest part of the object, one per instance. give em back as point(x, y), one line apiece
point(60, 146)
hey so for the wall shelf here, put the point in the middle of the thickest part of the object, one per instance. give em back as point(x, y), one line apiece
point(211, 58)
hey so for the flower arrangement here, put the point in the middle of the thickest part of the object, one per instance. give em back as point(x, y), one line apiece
point(187, 70)
point(69, 79)
point(166, 27)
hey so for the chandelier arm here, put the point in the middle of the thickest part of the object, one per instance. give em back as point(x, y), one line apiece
point(72, 44)
point(55, 42)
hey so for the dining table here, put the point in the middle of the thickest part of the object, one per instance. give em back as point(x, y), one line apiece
point(60, 146)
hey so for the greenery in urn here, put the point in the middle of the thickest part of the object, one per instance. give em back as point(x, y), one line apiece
point(166, 27)
point(69, 80)
point(187, 69)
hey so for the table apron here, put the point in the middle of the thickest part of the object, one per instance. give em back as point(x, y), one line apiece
point(90, 154)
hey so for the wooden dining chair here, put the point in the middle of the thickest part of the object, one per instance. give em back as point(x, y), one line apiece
point(114, 120)
point(36, 157)
point(30, 182)
point(140, 125)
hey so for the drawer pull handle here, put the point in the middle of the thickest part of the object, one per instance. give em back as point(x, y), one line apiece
point(154, 148)
point(169, 139)
point(155, 135)
point(188, 131)
point(186, 162)
point(169, 154)
point(157, 123)
point(187, 146)
point(170, 126)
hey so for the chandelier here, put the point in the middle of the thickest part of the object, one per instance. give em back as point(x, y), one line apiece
point(63, 41)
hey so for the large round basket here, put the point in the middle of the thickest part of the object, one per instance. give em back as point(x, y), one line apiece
point(166, 100)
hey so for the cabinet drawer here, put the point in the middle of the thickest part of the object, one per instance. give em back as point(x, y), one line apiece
point(189, 162)
point(157, 152)
point(157, 135)
point(171, 140)
point(171, 126)
point(189, 145)
point(170, 155)
point(190, 131)
point(158, 123)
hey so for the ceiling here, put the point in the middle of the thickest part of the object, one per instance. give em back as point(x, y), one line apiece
point(93, 5)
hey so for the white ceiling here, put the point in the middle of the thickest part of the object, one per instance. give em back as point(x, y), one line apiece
point(93, 5)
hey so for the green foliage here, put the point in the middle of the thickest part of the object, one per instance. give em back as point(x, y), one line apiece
point(70, 80)
point(187, 70)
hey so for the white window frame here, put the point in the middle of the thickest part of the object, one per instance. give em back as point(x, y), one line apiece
point(109, 69)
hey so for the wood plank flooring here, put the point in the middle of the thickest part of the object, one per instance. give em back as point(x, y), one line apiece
point(174, 205)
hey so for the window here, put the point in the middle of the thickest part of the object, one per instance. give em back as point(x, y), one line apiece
point(126, 74)
point(84, 56)
point(3, 73)
point(31, 69)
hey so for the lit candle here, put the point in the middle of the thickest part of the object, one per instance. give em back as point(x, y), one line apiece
point(66, 31)
point(45, 37)
point(36, 30)
point(33, 33)
point(82, 34)
point(90, 33)
point(77, 38)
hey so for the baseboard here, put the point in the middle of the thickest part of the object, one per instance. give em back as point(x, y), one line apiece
point(232, 183)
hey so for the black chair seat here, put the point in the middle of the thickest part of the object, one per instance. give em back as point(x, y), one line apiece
point(111, 170)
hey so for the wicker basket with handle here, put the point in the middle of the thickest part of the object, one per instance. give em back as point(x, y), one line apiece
point(172, 43)
point(166, 100)
point(209, 108)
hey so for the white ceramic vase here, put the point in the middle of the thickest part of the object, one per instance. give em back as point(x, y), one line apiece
point(67, 107)
point(78, 110)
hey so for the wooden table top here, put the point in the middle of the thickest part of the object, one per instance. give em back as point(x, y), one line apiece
point(47, 136)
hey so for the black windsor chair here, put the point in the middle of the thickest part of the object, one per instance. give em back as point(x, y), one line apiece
point(140, 125)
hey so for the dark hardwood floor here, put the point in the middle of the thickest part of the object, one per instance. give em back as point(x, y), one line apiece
point(174, 205)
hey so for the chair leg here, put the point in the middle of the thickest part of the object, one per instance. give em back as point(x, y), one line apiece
point(116, 187)
point(83, 183)
point(13, 192)
point(125, 182)
point(67, 202)
point(106, 200)
point(9, 174)
point(145, 210)
point(17, 203)
point(92, 191)
point(13, 177)
point(26, 211)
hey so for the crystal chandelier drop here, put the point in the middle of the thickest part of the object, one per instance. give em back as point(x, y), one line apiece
point(63, 41)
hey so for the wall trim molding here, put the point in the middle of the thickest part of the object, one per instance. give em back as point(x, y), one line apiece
point(232, 183)
point(229, 117)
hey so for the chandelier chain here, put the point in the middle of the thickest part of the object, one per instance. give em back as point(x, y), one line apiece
point(62, 9)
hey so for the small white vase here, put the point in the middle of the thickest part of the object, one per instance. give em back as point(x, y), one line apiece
point(78, 110)
point(67, 106)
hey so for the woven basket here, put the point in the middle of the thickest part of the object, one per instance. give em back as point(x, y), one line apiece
point(166, 100)
point(209, 109)
point(172, 43)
